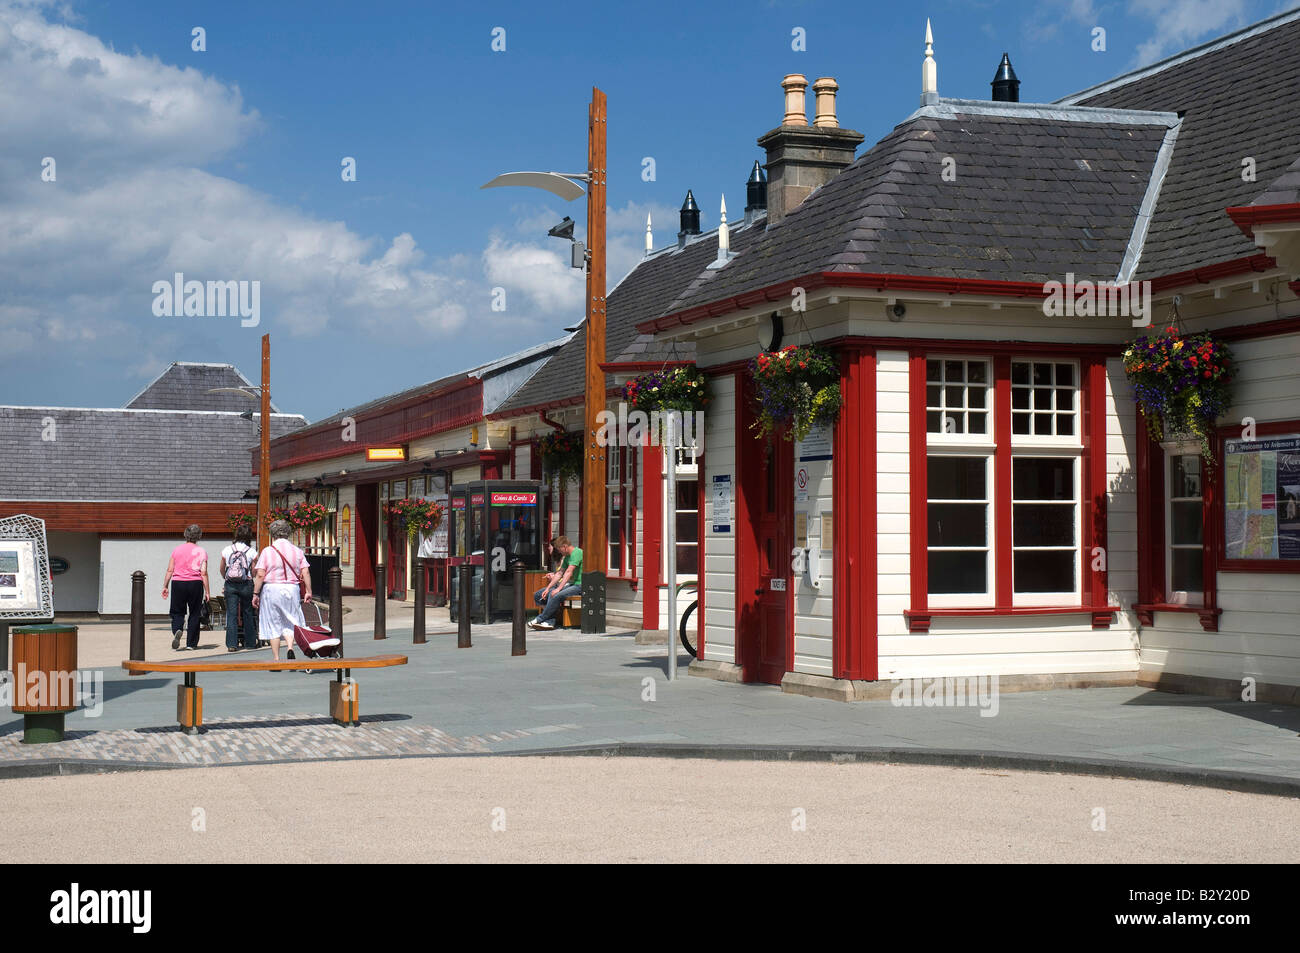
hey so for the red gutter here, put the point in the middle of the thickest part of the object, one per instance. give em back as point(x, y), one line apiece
point(932, 284)
point(546, 405)
point(548, 420)
point(1246, 216)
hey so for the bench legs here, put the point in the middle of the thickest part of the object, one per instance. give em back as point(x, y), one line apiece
point(345, 700)
point(189, 705)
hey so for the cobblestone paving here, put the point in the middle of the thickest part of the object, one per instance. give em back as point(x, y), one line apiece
point(251, 739)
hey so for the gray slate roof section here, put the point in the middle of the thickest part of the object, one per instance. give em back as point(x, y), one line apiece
point(1037, 193)
point(185, 386)
point(1238, 99)
point(1284, 190)
point(640, 296)
point(129, 455)
point(647, 349)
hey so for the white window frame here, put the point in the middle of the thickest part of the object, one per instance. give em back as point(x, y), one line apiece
point(975, 600)
point(1180, 597)
point(946, 438)
point(1072, 441)
point(1069, 598)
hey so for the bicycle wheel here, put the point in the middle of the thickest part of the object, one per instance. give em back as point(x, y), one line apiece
point(689, 638)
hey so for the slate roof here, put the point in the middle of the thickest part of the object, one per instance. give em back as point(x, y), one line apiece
point(640, 296)
point(1238, 97)
point(185, 386)
point(1037, 193)
point(1284, 190)
point(129, 455)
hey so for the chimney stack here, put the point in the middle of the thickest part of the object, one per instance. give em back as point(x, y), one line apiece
point(801, 157)
point(690, 219)
point(1006, 88)
point(755, 193)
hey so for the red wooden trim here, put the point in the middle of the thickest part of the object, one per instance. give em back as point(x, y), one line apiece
point(917, 480)
point(981, 348)
point(1096, 591)
point(1003, 544)
point(1209, 617)
point(611, 367)
point(1247, 216)
point(920, 621)
point(1215, 272)
point(1146, 541)
point(539, 408)
point(701, 489)
point(743, 529)
point(114, 516)
point(492, 461)
point(855, 625)
point(652, 543)
point(1261, 329)
point(1217, 518)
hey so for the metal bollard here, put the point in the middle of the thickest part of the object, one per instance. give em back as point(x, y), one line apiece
point(336, 604)
point(518, 635)
point(464, 608)
point(137, 618)
point(381, 593)
point(421, 597)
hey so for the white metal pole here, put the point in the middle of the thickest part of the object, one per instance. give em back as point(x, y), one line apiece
point(670, 490)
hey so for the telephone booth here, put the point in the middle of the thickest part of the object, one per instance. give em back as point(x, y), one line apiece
point(494, 524)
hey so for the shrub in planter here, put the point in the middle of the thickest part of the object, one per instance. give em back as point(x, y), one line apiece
point(684, 390)
point(243, 518)
point(796, 388)
point(278, 513)
point(418, 515)
point(1181, 384)
point(562, 454)
point(308, 516)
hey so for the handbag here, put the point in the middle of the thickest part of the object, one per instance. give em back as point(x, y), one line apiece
point(288, 571)
point(205, 613)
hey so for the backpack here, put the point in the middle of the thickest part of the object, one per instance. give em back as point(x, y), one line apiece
point(237, 564)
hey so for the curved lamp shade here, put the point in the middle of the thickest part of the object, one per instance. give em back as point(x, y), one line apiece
point(552, 182)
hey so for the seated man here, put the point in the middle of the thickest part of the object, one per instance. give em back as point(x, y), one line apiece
point(563, 584)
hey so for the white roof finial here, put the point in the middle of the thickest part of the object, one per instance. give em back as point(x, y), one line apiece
point(929, 70)
point(724, 236)
point(649, 236)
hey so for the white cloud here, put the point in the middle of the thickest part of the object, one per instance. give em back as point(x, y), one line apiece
point(1183, 23)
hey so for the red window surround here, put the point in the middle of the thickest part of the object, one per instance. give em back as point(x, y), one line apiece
point(855, 625)
point(1092, 363)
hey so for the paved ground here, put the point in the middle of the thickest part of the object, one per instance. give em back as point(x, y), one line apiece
point(573, 689)
point(633, 809)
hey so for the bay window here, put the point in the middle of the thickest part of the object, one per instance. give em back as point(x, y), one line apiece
point(620, 509)
point(1184, 519)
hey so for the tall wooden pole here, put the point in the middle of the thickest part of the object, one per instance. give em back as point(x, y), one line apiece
point(593, 470)
point(264, 475)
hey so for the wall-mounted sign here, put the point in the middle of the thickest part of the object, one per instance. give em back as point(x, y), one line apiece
point(458, 502)
point(817, 445)
point(345, 536)
point(1261, 498)
point(513, 499)
point(721, 492)
point(25, 589)
point(389, 454)
point(59, 565)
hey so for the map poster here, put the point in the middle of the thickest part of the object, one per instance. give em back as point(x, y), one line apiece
point(19, 591)
point(1261, 484)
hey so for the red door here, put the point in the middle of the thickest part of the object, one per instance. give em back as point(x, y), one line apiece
point(397, 546)
point(764, 538)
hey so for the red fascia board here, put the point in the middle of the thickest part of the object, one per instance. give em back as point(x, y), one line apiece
point(1248, 216)
point(1215, 272)
point(378, 410)
point(549, 405)
point(614, 367)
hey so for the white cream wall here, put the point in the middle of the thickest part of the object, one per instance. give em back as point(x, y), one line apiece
point(719, 549)
point(77, 590)
point(813, 608)
point(1259, 630)
point(121, 557)
point(893, 496)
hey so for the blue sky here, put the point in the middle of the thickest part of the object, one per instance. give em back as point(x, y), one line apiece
point(225, 164)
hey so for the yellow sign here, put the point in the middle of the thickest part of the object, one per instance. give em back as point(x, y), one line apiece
point(345, 536)
point(385, 453)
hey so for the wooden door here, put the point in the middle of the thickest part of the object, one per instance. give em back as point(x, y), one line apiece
point(398, 545)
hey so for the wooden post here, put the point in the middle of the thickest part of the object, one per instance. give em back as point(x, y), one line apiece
point(264, 474)
point(594, 527)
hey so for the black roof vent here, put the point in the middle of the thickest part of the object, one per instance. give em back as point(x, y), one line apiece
point(1006, 88)
point(756, 190)
point(690, 217)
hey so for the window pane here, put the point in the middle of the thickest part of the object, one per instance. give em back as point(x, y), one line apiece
point(687, 526)
point(688, 495)
point(1065, 425)
point(1042, 478)
point(1042, 398)
point(1043, 524)
point(1065, 374)
point(976, 372)
point(975, 397)
point(958, 572)
point(976, 423)
point(1020, 373)
point(688, 560)
point(932, 370)
point(1044, 571)
point(1185, 522)
point(934, 422)
point(952, 372)
point(953, 397)
point(1020, 423)
point(933, 395)
point(1042, 374)
point(958, 524)
point(1065, 400)
point(1185, 477)
point(1185, 570)
point(956, 478)
point(1043, 425)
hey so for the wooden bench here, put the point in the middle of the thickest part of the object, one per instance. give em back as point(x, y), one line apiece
point(570, 612)
point(344, 695)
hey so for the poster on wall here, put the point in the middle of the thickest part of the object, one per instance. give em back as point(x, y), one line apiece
point(1261, 498)
point(434, 545)
point(817, 445)
point(721, 490)
point(26, 592)
point(345, 535)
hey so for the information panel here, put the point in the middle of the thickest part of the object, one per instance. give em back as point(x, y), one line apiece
point(1261, 498)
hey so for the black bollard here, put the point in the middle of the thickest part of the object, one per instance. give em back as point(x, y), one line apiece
point(464, 607)
point(421, 597)
point(518, 634)
point(336, 604)
point(381, 593)
point(137, 618)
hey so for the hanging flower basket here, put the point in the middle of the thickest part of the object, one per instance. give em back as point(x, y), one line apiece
point(419, 516)
point(797, 389)
point(241, 519)
point(1181, 384)
point(278, 513)
point(562, 454)
point(308, 516)
point(678, 388)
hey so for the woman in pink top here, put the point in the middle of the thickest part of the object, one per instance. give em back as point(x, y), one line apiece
point(188, 569)
point(281, 567)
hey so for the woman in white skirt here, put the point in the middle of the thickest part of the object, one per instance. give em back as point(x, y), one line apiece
point(281, 568)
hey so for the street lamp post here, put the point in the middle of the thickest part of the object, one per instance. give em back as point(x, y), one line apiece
point(593, 464)
point(262, 394)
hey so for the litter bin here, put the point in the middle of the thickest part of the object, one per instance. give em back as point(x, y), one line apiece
point(45, 679)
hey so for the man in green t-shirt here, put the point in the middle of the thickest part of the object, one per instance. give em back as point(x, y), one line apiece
point(564, 584)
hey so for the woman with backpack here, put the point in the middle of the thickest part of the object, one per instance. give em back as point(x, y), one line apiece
point(281, 584)
point(237, 562)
